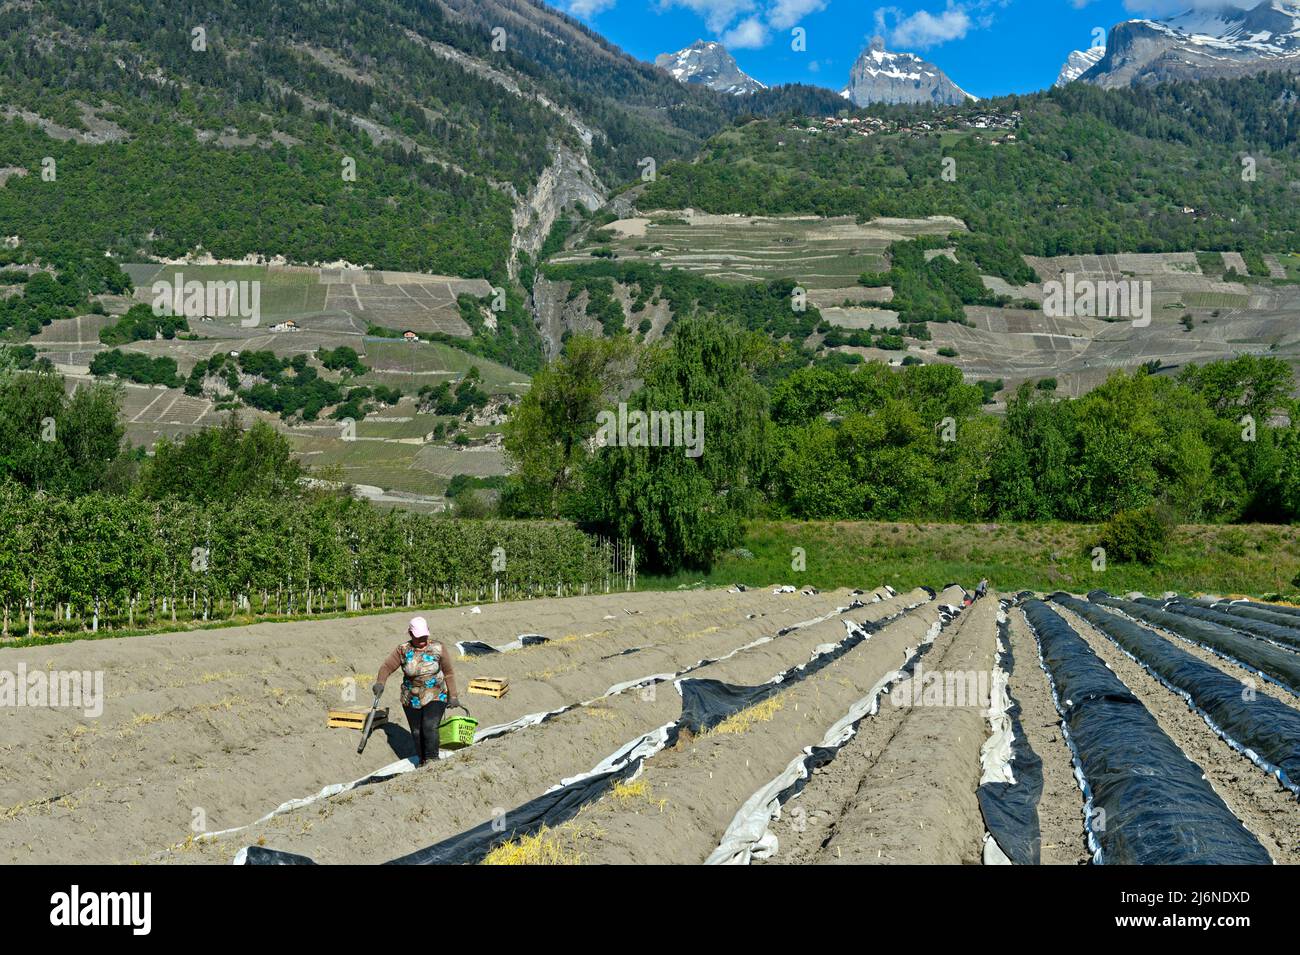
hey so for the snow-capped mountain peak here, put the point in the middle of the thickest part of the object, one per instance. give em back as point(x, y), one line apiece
point(1274, 25)
point(1078, 63)
point(880, 76)
point(1219, 41)
point(710, 64)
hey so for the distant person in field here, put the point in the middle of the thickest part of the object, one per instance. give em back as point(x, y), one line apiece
point(428, 685)
point(982, 589)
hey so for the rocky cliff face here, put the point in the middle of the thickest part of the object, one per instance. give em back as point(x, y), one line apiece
point(880, 76)
point(1202, 44)
point(568, 181)
point(711, 65)
point(556, 316)
point(1079, 62)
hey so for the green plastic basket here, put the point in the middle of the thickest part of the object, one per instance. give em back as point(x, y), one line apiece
point(456, 732)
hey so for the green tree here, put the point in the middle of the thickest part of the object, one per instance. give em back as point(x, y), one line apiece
point(547, 435)
point(1256, 385)
point(48, 441)
point(225, 463)
point(682, 510)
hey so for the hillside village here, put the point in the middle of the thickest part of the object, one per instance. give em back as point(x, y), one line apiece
point(953, 122)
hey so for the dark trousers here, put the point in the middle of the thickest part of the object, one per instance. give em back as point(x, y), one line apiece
point(424, 722)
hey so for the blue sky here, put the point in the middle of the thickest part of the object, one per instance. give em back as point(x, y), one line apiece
point(988, 47)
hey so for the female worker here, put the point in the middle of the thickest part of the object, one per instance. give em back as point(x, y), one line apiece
point(428, 686)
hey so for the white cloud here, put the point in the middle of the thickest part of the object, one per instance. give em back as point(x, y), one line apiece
point(749, 34)
point(784, 14)
point(742, 24)
point(717, 14)
point(924, 29)
point(586, 9)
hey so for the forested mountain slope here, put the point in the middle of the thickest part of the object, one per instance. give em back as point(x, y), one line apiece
point(228, 126)
point(1210, 165)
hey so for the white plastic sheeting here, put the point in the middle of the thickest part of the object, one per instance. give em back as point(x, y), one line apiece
point(749, 835)
point(993, 854)
point(518, 643)
point(524, 722)
point(996, 753)
point(637, 751)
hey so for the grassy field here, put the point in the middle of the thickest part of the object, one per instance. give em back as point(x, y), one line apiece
point(381, 463)
point(283, 294)
point(1292, 265)
point(319, 297)
point(1254, 559)
point(385, 456)
point(406, 365)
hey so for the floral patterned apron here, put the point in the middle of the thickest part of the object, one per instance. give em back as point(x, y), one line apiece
point(422, 682)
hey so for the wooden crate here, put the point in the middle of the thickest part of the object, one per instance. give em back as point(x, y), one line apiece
point(489, 686)
point(355, 719)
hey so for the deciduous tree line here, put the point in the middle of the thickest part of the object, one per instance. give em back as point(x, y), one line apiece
point(1215, 443)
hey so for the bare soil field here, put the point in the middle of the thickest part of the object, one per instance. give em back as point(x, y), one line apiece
point(683, 727)
point(207, 731)
point(876, 802)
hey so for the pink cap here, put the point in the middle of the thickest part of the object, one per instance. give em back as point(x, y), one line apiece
point(419, 627)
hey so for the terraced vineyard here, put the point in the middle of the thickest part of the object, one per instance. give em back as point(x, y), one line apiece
point(1197, 314)
point(722, 726)
point(329, 308)
point(818, 253)
point(1196, 318)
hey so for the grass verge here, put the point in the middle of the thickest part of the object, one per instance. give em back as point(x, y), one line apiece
point(1259, 560)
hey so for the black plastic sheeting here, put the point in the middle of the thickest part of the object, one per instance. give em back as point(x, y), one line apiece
point(257, 855)
point(1011, 809)
point(1284, 637)
point(476, 648)
point(549, 809)
point(705, 703)
point(1278, 665)
point(1240, 608)
point(1148, 803)
point(854, 605)
point(1268, 730)
point(473, 845)
point(1271, 608)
